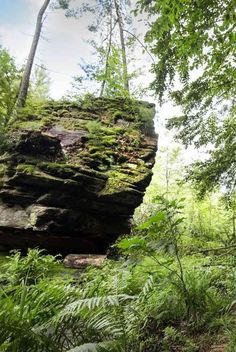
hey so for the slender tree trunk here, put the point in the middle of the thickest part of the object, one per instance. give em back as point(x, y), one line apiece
point(107, 56)
point(123, 48)
point(24, 86)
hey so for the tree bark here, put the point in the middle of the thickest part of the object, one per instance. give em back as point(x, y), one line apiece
point(24, 86)
point(123, 48)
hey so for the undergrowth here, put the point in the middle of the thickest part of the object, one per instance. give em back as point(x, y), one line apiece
point(159, 296)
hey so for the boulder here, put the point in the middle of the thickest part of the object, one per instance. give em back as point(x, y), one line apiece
point(78, 261)
point(73, 173)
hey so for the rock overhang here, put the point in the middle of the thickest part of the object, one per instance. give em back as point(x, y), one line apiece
point(75, 174)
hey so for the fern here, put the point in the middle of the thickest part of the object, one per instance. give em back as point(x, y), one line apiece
point(75, 307)
point(147, 287)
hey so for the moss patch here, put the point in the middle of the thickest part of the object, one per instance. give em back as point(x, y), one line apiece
point(124, 178)
point(111, 140)
point(3, 168)
point(27, 169)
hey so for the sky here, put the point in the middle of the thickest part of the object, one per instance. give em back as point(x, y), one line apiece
point(63, 41)
point(61, 44)
point(61, 47)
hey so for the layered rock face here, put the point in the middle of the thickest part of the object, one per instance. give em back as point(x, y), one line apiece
point(74, 174)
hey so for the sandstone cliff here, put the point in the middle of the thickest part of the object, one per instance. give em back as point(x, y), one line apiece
point(74, 173)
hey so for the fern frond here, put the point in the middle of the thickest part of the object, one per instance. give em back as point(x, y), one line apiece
point(106, 323)
point(92, 303)
point(147, 287)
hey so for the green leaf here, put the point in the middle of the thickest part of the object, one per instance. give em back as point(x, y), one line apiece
point(160, 216)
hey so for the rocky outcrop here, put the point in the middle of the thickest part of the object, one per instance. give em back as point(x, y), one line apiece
point(74, 174)
point(80, 261)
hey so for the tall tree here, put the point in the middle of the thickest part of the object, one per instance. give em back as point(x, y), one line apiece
point(108, 51)
point(195, 41)
point(9, 83)
point(110, 17)
point(40, 84)
point(24, 86)
point(25, 81)
point(122, 43)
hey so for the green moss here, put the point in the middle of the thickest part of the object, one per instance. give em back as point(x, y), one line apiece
point(106, 145)
point(29, 125)
point(103, 156)
point(118, 114)
point(38, 170)
point(27, 169)
point(116, 183)
point(93, 149)
point(71, 169)
point(125, 176)
point(63, 112)
point(49, 120)
point(83, 115)
point(34, 123)
point(94, 127)
point(109, 141)
point(101, 153)
point(133, 137)
point(3, 168)
point(71, 124)
point(102, 136)
point(113, 130)
point(54, 113)
point(71, 116)
point(58, 169)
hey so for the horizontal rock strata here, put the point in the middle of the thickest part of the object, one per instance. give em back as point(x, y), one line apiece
point(72, 174)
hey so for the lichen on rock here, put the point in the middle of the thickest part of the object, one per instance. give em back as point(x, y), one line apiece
point(74, 174)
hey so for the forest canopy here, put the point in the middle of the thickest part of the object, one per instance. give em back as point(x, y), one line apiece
point(194, 42)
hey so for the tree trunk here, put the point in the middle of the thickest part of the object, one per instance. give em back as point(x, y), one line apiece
point(123, 48)
point(24, 86)
point(107, 56)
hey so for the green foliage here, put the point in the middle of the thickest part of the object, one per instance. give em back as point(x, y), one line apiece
point(187, 37)
point(220, 167)
point(206, 220)
point(161, 233)
point(173, 288)
point(174, 338)
point(113, 75)
point(39, 85)
point(28, 298)
point(154, 299)
point(94, 127)
point(29, 269)
point(195, 42)
point(9, 84)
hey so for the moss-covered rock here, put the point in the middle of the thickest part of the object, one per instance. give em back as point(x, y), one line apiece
point(74, 173)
